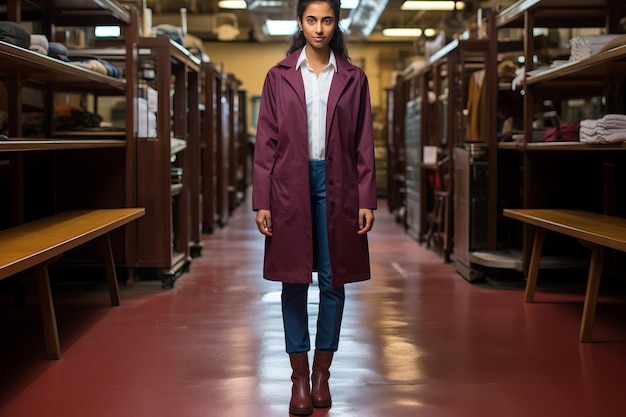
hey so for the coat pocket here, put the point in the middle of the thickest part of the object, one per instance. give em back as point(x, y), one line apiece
point(350, 199)
point(281, 190)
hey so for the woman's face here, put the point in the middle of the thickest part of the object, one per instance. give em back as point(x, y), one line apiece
point(318, 24)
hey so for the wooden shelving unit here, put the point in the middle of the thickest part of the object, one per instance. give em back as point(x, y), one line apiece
point(163, 237)
point(433, 99)
point(197, 107)
point(48, 173)
point(562, 174)
point(211, 81)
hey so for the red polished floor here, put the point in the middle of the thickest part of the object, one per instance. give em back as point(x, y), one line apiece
point(417, 340)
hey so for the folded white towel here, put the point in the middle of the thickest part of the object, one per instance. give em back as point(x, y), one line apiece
point(39, 43)
point(611, 128)
point(582, 47)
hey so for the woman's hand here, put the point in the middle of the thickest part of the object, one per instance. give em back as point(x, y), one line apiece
point(366, 221)
point(264, 222)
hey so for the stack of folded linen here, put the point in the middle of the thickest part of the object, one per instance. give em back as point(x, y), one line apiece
point(609, 129)
point(582, 47)
point(39, 43)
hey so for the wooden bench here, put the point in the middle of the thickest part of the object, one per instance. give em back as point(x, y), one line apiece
point(598, 230)
point(36, 244)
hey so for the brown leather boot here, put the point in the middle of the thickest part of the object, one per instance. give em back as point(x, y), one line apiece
point(320, 392)
point(300, 404)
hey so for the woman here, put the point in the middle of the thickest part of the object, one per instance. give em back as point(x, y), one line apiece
point(314, 188)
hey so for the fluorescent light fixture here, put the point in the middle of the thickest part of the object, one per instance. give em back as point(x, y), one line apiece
point(430, 32)
point(280, 27)
point(432, 5)
point(107, 31)
point(254, 4)
point(349, 4)
point(403, 32)
point(232, 4)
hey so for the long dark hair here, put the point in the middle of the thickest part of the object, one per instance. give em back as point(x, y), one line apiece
point(337, 43)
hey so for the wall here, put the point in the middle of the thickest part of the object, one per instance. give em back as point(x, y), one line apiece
point(250, 62)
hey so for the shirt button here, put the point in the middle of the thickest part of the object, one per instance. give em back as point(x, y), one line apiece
point(331, 182)
point(332, 203)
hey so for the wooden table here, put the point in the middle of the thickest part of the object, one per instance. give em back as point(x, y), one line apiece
point(37, 243)
point(598, 230)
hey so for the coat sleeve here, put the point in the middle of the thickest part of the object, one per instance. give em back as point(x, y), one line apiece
point(265, 145)
point(365, 159)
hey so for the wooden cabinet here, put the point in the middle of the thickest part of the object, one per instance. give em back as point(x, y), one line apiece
point(562, 174)
point(394, 132)
point(163, 234)
point(436, 96)
point(460, 71)
point(413, 122)
point(211, 91)
point(237, 142)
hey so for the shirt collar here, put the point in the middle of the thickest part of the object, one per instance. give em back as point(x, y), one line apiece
point(302, 59)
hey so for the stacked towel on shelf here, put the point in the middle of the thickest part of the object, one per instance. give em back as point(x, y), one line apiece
point(39, 43)
point(582, 47)
point(609, 129)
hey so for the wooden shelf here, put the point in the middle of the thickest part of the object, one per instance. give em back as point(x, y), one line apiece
point(560, 146)
point(43, 69)
point(85, 134)
point(577, 13)
point(598, 66)
point(176, 189)
point(466, 45)
point(85, 12)
point(178, 54)
point(58, 144)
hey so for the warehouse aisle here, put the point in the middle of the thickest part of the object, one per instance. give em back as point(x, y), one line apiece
point(417, 341)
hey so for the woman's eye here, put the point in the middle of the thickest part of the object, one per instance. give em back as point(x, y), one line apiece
point(310, 20)
point(327, 21)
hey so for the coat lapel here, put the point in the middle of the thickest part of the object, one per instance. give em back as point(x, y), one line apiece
point(337, 87)
point(293, 77)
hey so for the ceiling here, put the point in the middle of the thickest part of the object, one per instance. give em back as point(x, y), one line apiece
point(210, 23)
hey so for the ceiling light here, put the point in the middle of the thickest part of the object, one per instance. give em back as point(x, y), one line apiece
point(432, 5)
point(430, 32)
point(232, 4)
point(261, 4)
point(349, 4)
point(107, 31)
point(403, 32)
point(280, 27)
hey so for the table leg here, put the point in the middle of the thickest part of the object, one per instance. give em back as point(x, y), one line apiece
point(46, 305)
point(591, 297)
point(533, 268)
point(109, 266)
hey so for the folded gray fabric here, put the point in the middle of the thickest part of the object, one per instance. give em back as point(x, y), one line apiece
point(13, 33)
point(58, 51)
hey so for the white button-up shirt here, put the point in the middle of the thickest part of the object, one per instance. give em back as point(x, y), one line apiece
point(316, 91)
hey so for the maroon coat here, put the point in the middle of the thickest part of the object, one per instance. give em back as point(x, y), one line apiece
point(281, 173)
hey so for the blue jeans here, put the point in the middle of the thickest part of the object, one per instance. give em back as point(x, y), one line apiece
point(294, 297)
